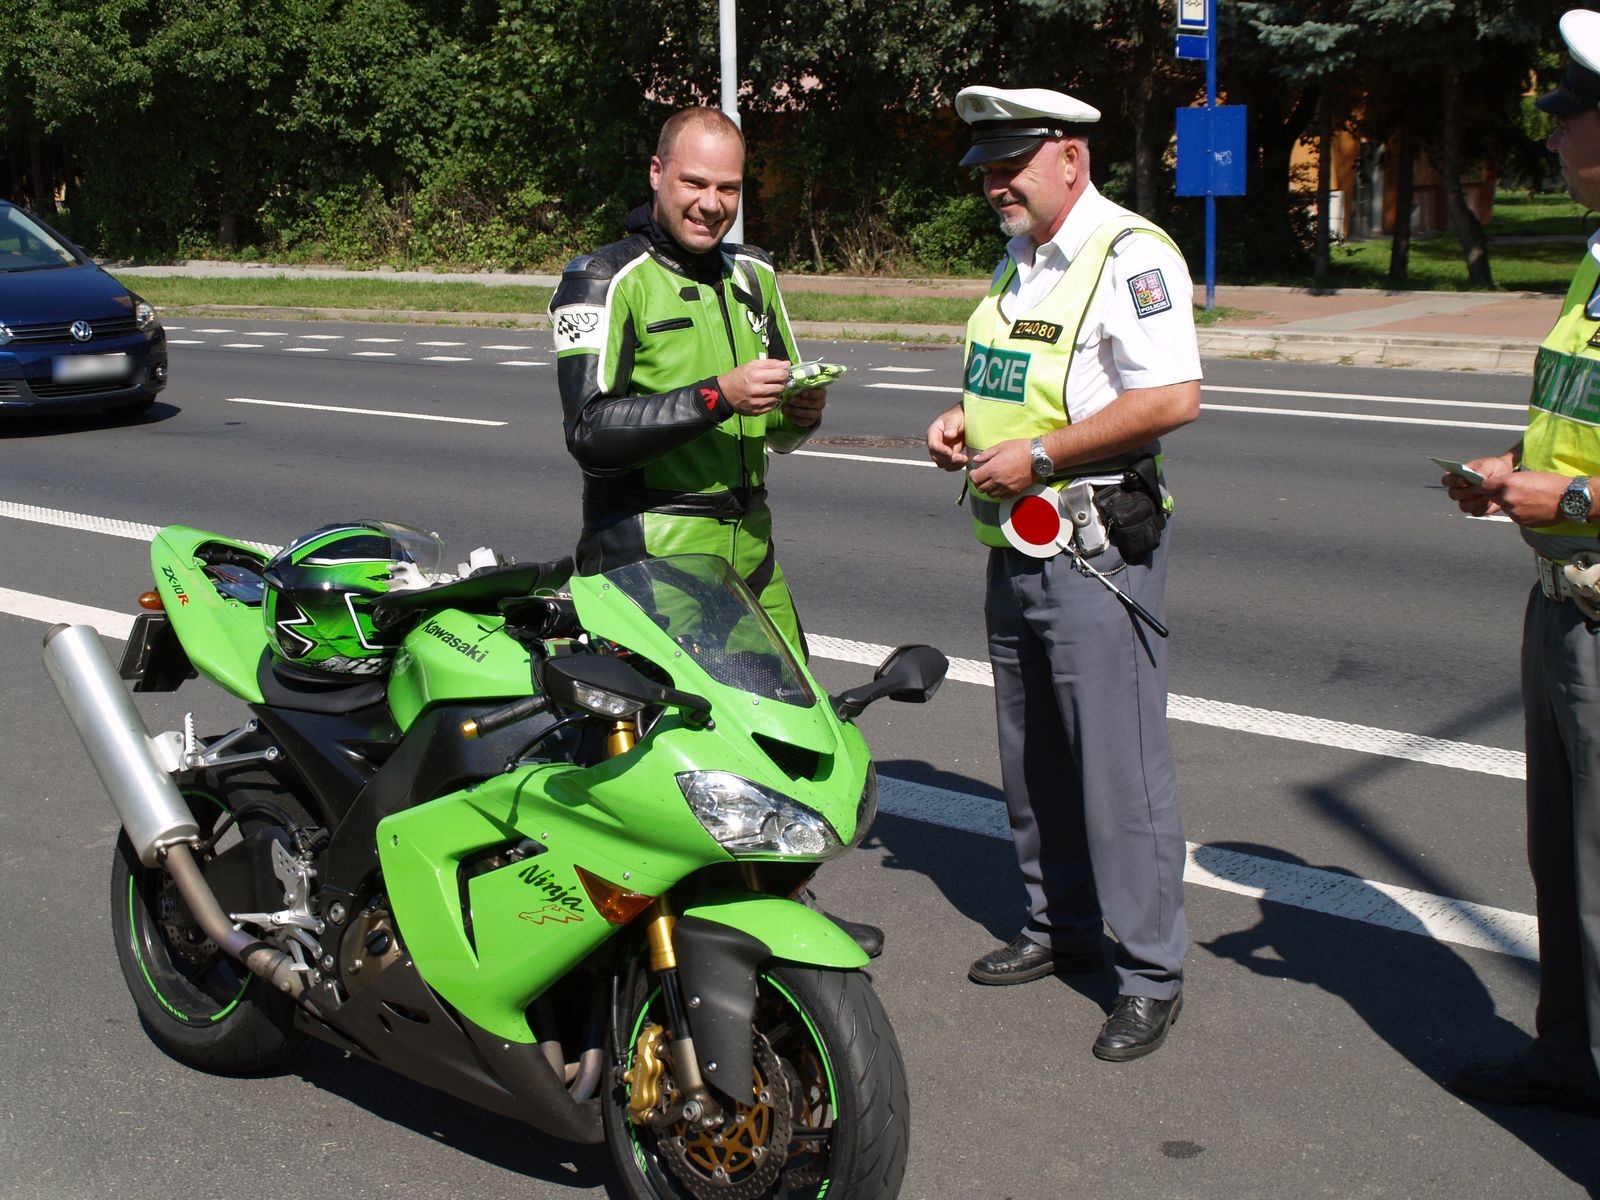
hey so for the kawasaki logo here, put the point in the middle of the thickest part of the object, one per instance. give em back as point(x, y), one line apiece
point(475, 653)
point(997, 374)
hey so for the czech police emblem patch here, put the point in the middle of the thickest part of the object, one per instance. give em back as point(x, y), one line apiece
point(1149, 294)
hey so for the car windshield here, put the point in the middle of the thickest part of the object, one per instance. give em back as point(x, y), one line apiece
point(27, 246)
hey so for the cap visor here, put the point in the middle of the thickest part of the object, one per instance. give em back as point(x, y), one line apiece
point(1561, 103)
point(998, 149)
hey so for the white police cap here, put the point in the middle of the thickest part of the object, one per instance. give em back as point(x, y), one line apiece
point(1010, 122)
point(1580, 86)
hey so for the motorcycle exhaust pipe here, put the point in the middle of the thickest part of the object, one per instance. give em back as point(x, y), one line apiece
point(124, 754)
point(147, 801)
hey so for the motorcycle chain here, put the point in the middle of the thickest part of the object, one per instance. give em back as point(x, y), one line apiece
point(769, 1153)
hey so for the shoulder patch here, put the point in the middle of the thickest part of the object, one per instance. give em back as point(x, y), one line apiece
point(1149, 294)
point(578, 326)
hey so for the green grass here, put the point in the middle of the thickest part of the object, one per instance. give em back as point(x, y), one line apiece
point(1546, 214)
point(376, 294)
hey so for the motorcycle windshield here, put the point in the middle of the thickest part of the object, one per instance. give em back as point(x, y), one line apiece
point(703, 605)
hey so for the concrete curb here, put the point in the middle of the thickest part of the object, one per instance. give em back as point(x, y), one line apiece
point(1501, 357)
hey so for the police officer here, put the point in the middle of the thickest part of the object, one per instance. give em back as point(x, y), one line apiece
point(1078, 360)
point(1543, 484)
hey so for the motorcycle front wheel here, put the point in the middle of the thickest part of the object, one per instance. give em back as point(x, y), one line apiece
point(195, 1002)
point(832, 1114)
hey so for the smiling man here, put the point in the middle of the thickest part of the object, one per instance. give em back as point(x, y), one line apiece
point(673, 350)
point(1079, 359)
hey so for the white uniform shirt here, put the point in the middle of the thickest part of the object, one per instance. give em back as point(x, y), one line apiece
point(1139, 328)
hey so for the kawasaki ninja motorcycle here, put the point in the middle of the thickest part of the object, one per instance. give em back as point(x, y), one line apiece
point(528, 837)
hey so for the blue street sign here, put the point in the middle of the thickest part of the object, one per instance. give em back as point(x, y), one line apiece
point(1194, 45)
point(1211, 151)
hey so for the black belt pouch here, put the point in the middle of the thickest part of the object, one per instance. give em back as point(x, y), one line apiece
point(1132, 509)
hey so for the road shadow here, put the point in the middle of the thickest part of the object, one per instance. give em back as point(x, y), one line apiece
point(499, 1141)
point(1416, 993)
point(21, 426)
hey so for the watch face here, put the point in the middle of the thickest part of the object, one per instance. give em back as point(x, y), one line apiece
point(1575, 501)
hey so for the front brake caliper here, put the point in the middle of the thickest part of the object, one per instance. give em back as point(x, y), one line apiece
point(644, 1077)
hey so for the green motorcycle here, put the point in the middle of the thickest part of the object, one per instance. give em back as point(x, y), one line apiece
point(531, 838)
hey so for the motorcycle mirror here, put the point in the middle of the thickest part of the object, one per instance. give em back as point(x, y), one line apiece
point(910, 673)
point(604, 684)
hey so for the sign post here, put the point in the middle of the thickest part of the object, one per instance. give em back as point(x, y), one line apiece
point(1211, 140)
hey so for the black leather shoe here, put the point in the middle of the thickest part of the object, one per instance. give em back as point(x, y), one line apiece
point(1136, 1027)
point(1513, 1083)
point(868, 937)
point(1022, 960)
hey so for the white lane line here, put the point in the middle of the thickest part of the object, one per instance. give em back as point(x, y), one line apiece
point(380, 341)
point(321, 337)
point(1369, 417)
point(917, 387)
point(1331, 892)
point(53, 612)
point(305, 349)
point(241, 345)
point(172, 341)
point(899, 462)
point(1216, 714)
point(444, 358)
point(362, 412)
point(372, 354)
point(441, 343)
point(506, 347)
point(1404, 910)
point(211, 331)
point(904, 370)
point(1219, 714)
point(521, 362)
point(1250, 391)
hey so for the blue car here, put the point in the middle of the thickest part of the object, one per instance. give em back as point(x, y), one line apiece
point(71, 336)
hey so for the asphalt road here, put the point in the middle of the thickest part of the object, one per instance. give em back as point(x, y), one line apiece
point(1344, 683)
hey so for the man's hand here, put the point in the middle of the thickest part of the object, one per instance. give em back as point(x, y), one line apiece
point(1484, 500)
point(947, 444)
point(805, 408)
point(1004, 469)
point(1530, 498)
point(755, 387)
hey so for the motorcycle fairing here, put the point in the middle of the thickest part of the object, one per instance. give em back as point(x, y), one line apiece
point(222, 635)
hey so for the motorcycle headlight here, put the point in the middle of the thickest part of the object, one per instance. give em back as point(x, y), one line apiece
point(746, 818)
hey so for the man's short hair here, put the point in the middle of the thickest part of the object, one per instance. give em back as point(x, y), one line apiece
point(703, 120)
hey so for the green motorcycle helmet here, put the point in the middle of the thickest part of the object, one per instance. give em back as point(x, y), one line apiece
point(317, 604)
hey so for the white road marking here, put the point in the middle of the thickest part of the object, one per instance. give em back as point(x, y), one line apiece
point(444, 358)
point(917, 387)
point(441, 343)
point(520, 362)
point(1300, 885)
point(899, 462)
point(321, 337)
point(1249, 391)
point(261, 333)
point(172, 341)
point(1369, 417)
point(305, 349)
point(505, 347)
point(904, 370)
point(241, 345)
point(212, 331)
point(380, 341)
point(372, 354)
point(363, 412)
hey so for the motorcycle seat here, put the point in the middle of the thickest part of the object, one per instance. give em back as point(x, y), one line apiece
point(284, 686)
point(481, 589)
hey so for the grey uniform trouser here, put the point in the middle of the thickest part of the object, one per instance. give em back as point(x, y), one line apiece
point(1081, 703)
point(1561, 708)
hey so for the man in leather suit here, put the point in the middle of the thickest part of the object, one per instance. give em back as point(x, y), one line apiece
point(673, 349)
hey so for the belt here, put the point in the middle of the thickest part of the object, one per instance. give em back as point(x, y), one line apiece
point(1552, 582)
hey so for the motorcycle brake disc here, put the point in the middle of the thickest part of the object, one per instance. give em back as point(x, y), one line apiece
point(739, 1159)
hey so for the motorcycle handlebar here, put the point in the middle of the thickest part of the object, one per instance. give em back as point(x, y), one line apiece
point(506, 714)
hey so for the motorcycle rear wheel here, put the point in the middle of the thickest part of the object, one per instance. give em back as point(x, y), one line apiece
point(842, 1098)
point(194, 1001)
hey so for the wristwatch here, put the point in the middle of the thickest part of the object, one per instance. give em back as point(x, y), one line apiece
point(1043, 468)
point(1576, 502)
